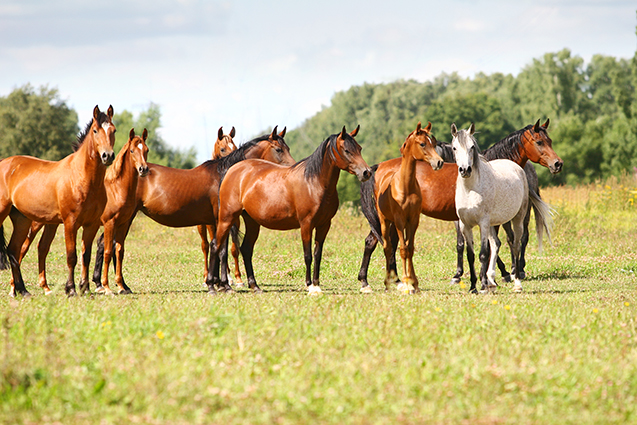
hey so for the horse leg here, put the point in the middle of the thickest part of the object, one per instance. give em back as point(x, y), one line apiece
point(506, 276)
point(370, 246)
point(21, 226)
point(319, 239)
point(467, 234)
point(43, 250)
point(247, 248)
point(108, 238)
point(306, 239)
point(407, 254)
point(88, 236)
point(33, 231)
point(460, 252)
point(99, 261)
point(205, 247)
point(524, 242)
point(387, 230)
point(234, 250)
point(518, 230)
point(494, 247)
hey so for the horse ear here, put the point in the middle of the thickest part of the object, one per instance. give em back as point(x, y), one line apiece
point(428, 128)
point(472, 129)
point(546, 124)
point(454, 129)
point(96, 112)
point(110, 111)
point(273, 135)
point(355, 132)
point(220, 133)
point(282, 133)
point(131, 134)
point(343, 132)
point(418, 127)
point(536, 127)
point(145, 135)
point(232, 132)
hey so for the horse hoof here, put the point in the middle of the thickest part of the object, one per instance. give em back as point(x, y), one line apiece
point(239, 284)
point(212, 291)
point(517, 289)
point(100, 290)
point(522, 275)
point(314, 289)
point(507, 278)
point(47, 292)
point(367, 290)
point(473, 291)
point(455, 280)
point(256, 290)
point(124, 292)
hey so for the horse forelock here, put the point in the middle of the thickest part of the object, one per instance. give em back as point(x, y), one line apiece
point(102, 119)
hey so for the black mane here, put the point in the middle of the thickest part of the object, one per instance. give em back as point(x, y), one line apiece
point(224, 163)
point(81, 136)
point(508, 148)
point(314, 162)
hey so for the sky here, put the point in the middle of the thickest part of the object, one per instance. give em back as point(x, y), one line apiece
point(257, 64)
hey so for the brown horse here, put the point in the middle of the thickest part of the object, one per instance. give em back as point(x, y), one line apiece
point(69, 191)
point(302, 196)
point(438, 188)
point(399, 199)
point(121, 187)
point(185, 198)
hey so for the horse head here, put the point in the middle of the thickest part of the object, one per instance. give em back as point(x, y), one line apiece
point(224, 144)
point(103, 134)
point(278, 151)
point(422, 146)
point(138, 151)
point(347, 155)
point(539, 147)
point(465, 150)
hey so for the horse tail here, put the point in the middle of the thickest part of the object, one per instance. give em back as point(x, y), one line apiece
point(368, 204)
point(4, 253)
point(543, 217)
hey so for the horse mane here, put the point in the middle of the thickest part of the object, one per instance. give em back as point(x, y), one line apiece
point(81, 136)
point(508, 148)
point(115, 170)
point(314, 163)
point(445, 151)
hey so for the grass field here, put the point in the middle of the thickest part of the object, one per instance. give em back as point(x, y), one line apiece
point(564, 351)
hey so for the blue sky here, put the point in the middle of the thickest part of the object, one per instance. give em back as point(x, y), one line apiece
point(257, 64)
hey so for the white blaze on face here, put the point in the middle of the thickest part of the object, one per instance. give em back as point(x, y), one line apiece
point(140, 147)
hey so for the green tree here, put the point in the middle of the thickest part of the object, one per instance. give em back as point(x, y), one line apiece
point(158, 150)
point(37, 123)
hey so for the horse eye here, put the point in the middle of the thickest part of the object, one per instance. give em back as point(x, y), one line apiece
point(279, 150)
point(347, 151)
point(95, 131)
point(540, 142)
point(422, 144)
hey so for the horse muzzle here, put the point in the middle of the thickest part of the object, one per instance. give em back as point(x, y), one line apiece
point(556, 167)
point(107, 157)
point(465, 172)
point(365, 175)
point(436, 164)
point(143, 171)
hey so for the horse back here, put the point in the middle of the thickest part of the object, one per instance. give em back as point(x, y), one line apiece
point(510, 191)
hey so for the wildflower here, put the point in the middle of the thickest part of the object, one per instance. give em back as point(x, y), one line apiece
point(438, 309)
point(160, 335)
point(507, 307)
point(495, 302)
point(595, 311)
point(626, 303)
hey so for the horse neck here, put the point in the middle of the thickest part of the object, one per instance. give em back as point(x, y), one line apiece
point(407, 173)
point(87, 160)
point(125, 173)
point(328, 178)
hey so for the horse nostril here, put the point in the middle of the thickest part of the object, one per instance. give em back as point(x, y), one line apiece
point(469, 169)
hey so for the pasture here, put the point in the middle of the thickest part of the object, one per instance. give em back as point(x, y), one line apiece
point(563, 351)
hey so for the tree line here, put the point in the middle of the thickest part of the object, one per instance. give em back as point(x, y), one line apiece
point(592, 108)
point(37, 122)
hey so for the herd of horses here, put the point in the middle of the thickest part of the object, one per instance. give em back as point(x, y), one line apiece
point(260, 182)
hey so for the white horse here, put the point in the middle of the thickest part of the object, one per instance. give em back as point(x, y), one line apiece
point(491, 193)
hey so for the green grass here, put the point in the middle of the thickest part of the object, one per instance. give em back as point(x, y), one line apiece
point(564, 351)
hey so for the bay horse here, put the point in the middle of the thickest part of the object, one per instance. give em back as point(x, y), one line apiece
point(488, 194)
point(282, 198)
point(70, 191)
point(398, 201)
point(438, 188)
point(184, 198)
point(121, 186)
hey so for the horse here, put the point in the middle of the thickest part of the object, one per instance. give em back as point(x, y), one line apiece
point(121, 187)
point(69, 191)
point(282, 198)
point(398, 200)
point(488, 194)
point(184, 198)
point(223, 147)
point(438, 188)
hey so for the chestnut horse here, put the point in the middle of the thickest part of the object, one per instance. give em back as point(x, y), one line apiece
point(185, 198)
point(398, 201)
point(301, 196)
point(69, 191)
point(223, 147)
point(438, 188)
point(121, 187)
